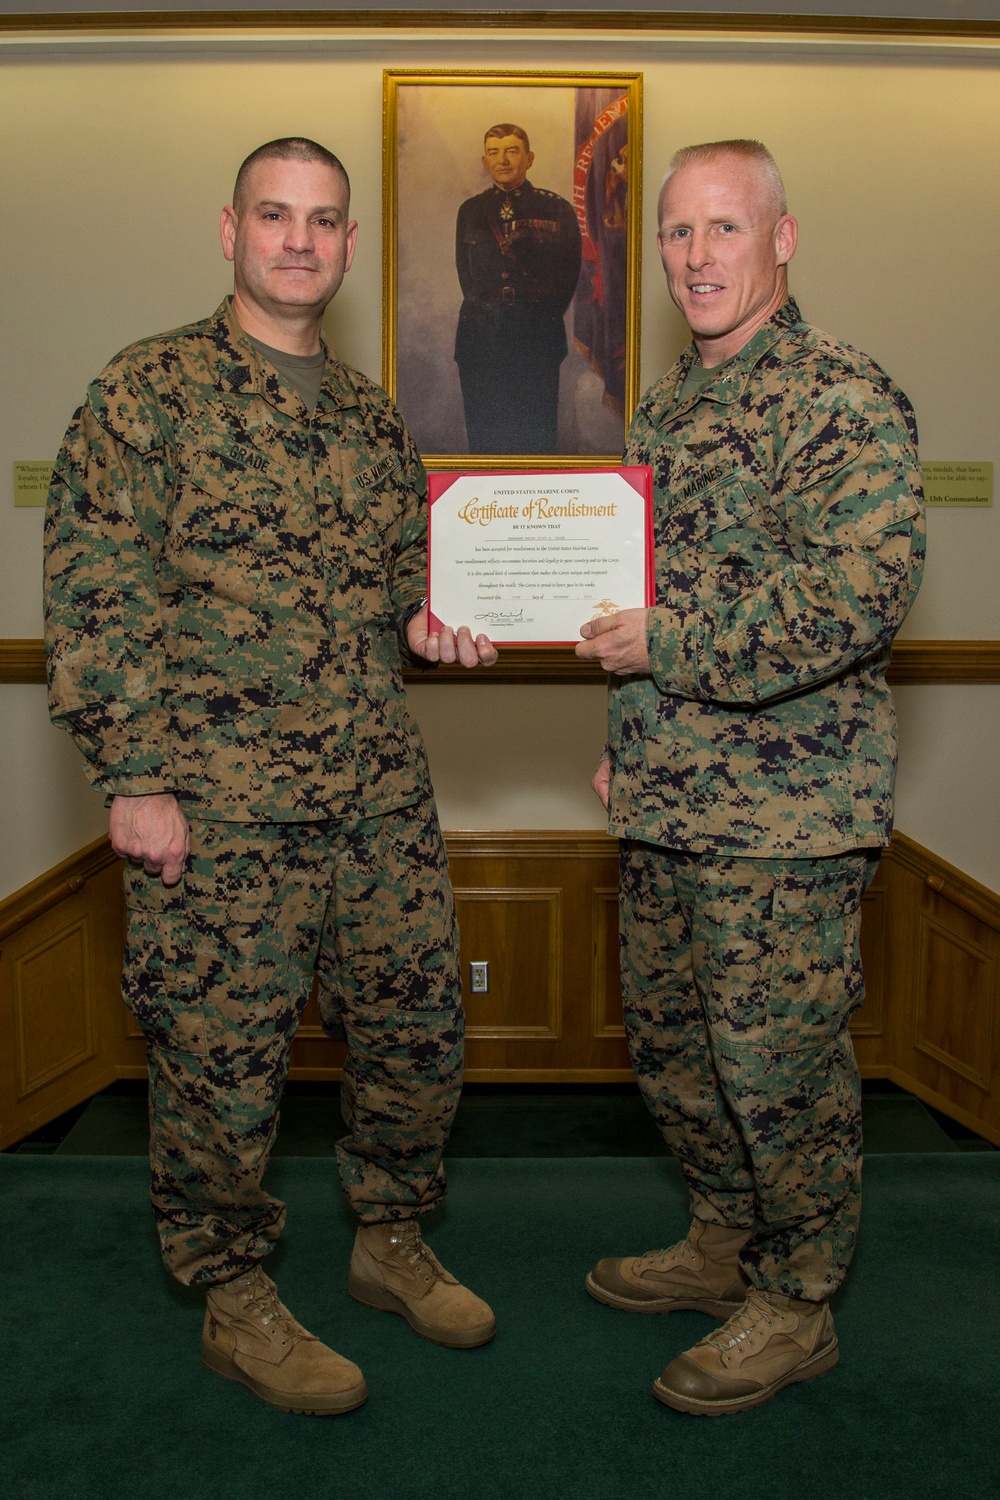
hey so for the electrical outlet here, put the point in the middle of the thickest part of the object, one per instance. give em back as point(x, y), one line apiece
point(479, 978)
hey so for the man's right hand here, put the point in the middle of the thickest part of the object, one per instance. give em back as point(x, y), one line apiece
point(602, 781)
point(448, 645)
point(151, 831)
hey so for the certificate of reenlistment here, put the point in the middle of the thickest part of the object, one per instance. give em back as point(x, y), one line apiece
point(527, 557)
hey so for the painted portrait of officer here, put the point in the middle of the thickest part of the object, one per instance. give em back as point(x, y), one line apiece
point(518, 256)
point(511, 311)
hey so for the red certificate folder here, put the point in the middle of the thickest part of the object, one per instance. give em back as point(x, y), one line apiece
point(527, 556)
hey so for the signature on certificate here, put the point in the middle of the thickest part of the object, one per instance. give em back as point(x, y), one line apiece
point(495, 617)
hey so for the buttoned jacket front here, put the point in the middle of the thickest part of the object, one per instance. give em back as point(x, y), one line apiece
point(789, 546)
point(228, 580)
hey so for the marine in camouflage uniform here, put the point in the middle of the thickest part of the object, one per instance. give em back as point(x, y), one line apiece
point(231, 577)
point(751, 779)
point(227, 580)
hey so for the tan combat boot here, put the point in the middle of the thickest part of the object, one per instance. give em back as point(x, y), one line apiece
point(700, 1274)
point(251, 1337)
point(394, 1270)
point(773, 1341)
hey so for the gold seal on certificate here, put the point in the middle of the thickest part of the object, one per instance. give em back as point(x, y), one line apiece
point(527, 557)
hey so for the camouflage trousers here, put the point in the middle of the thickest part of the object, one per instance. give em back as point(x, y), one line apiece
point(739, 977)
point(217, 973)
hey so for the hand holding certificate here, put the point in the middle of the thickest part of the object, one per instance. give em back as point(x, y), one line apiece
point(448, 646)
point(528, 556)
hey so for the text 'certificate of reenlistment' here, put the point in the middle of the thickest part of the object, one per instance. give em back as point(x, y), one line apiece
point(527, 557)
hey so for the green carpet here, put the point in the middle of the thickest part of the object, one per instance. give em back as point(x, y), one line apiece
point(898, 1122)
point(507, 1122)
point(103, 1397)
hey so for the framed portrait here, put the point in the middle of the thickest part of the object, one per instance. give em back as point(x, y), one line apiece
point(511, 264)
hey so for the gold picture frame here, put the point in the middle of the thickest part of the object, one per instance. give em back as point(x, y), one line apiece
point(487, 397)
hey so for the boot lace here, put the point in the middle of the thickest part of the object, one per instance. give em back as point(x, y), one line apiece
point(744, 1330)
point(408, 1243)
point(663, 1260)
point(262, 1305)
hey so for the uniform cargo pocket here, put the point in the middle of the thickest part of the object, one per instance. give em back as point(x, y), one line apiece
point(778, 950)
point(732, 949)
point(159, 981)
point(816, 972)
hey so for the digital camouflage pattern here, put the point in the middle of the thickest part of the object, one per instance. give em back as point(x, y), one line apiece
point(752, 769)
point(789, 546)
point(739, 977)
point(227, 581)
point(218, 970)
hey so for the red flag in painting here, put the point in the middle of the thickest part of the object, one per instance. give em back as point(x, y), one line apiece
point(600, 197)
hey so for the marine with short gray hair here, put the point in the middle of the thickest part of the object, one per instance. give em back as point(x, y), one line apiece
point(749, 775)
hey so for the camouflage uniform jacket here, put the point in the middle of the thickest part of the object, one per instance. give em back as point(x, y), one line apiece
point(789, 546)
point(227, 583)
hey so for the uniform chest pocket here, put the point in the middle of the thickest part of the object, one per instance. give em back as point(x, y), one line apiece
point(703, 510)
point(210, 486)
point(712, 543)
point(222, 526)
point(373, 501)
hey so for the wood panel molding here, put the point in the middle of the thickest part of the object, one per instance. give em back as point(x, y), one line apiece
point(955, 986)
point(54, 1005)
point(942, 879)
point(540, 907)
point(62, 1021)
point(954, 662)
point(926, 662)
point(606, 997)
point(702, 22)
point(493, 865)
point(65, 879)
point(943, 953)
point(22, 660)
point(518, 931)
point(545, 843)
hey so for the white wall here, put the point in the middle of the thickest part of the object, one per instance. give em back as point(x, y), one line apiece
point(948, 791)
point(118, 157)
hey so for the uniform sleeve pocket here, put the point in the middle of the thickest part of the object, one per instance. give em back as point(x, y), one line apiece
point(859, 484)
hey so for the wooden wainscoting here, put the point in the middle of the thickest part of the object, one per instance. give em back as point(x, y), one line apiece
point(62, 1021)
point(954, 661)
point(540, 909)
point(944, 959)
